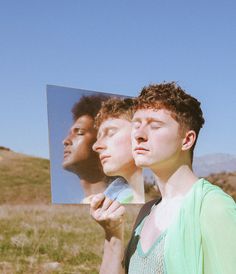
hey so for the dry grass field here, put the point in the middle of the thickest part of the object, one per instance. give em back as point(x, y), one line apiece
point(51, 239)
point(36, 237)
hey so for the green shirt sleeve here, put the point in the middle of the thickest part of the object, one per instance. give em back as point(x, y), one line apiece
point(218, 229)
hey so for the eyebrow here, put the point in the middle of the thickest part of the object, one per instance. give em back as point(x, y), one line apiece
point(148, 119)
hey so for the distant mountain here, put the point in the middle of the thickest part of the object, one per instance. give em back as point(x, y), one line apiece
point(214, 163)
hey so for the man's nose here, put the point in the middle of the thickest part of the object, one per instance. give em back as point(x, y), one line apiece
point(99, 145)
point(67, 141)
point(140, 134)
point(96, 146)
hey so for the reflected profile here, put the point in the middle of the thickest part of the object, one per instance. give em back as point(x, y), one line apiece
point(79, 157)
point(114, 148)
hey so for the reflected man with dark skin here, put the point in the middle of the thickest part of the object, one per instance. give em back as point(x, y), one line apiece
point(79, 157)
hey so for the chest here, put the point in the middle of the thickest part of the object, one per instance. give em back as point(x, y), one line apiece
point(155, 224)
point(147, 261)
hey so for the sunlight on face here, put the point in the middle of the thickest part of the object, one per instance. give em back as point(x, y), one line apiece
point(155, 137)
point(78, 144)
point(114, 146)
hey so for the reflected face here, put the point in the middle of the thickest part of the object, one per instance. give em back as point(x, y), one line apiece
point(78, 144)
point(156, 140)
point(114, 147)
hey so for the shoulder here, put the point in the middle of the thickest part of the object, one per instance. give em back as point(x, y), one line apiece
point(215, 197)
point(217, 206)
point(209, 193)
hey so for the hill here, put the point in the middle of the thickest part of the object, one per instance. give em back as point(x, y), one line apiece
point(23, 179)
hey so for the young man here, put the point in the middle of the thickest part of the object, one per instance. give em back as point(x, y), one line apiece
point(192, 229)
point(114, 148)
point(79, 157)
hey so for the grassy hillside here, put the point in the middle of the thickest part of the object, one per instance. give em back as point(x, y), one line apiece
point(23, 179)
point(52, 239)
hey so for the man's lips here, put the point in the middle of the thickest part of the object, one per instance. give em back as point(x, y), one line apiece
point(66, 153)
point(140, 149)
point(104, 157)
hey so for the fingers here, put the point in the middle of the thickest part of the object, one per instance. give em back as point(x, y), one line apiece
point(114, 212)
point(101, 212)
point(107, 213)
point(97, 201)
point(118, 213)
point(112, 208)
point(107, 204)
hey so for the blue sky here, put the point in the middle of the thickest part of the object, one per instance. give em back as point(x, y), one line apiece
point(118, 47)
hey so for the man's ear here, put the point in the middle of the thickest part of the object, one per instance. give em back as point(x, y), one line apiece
point(188, 140)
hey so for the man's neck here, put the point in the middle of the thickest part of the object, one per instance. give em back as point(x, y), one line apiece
point(136, 182)
point(94, 187)
point(176, 182)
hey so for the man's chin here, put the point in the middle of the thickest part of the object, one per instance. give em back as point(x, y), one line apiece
point(109, 172)
point(67, 166)
point(141, 163)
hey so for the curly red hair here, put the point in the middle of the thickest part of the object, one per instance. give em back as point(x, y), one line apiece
point(184, 108)
point(115, 108)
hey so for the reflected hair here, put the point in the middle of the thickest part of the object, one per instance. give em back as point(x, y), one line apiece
point(88, 105)
point(115, 108)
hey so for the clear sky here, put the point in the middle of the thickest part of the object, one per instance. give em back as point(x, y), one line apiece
point(115, 46)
